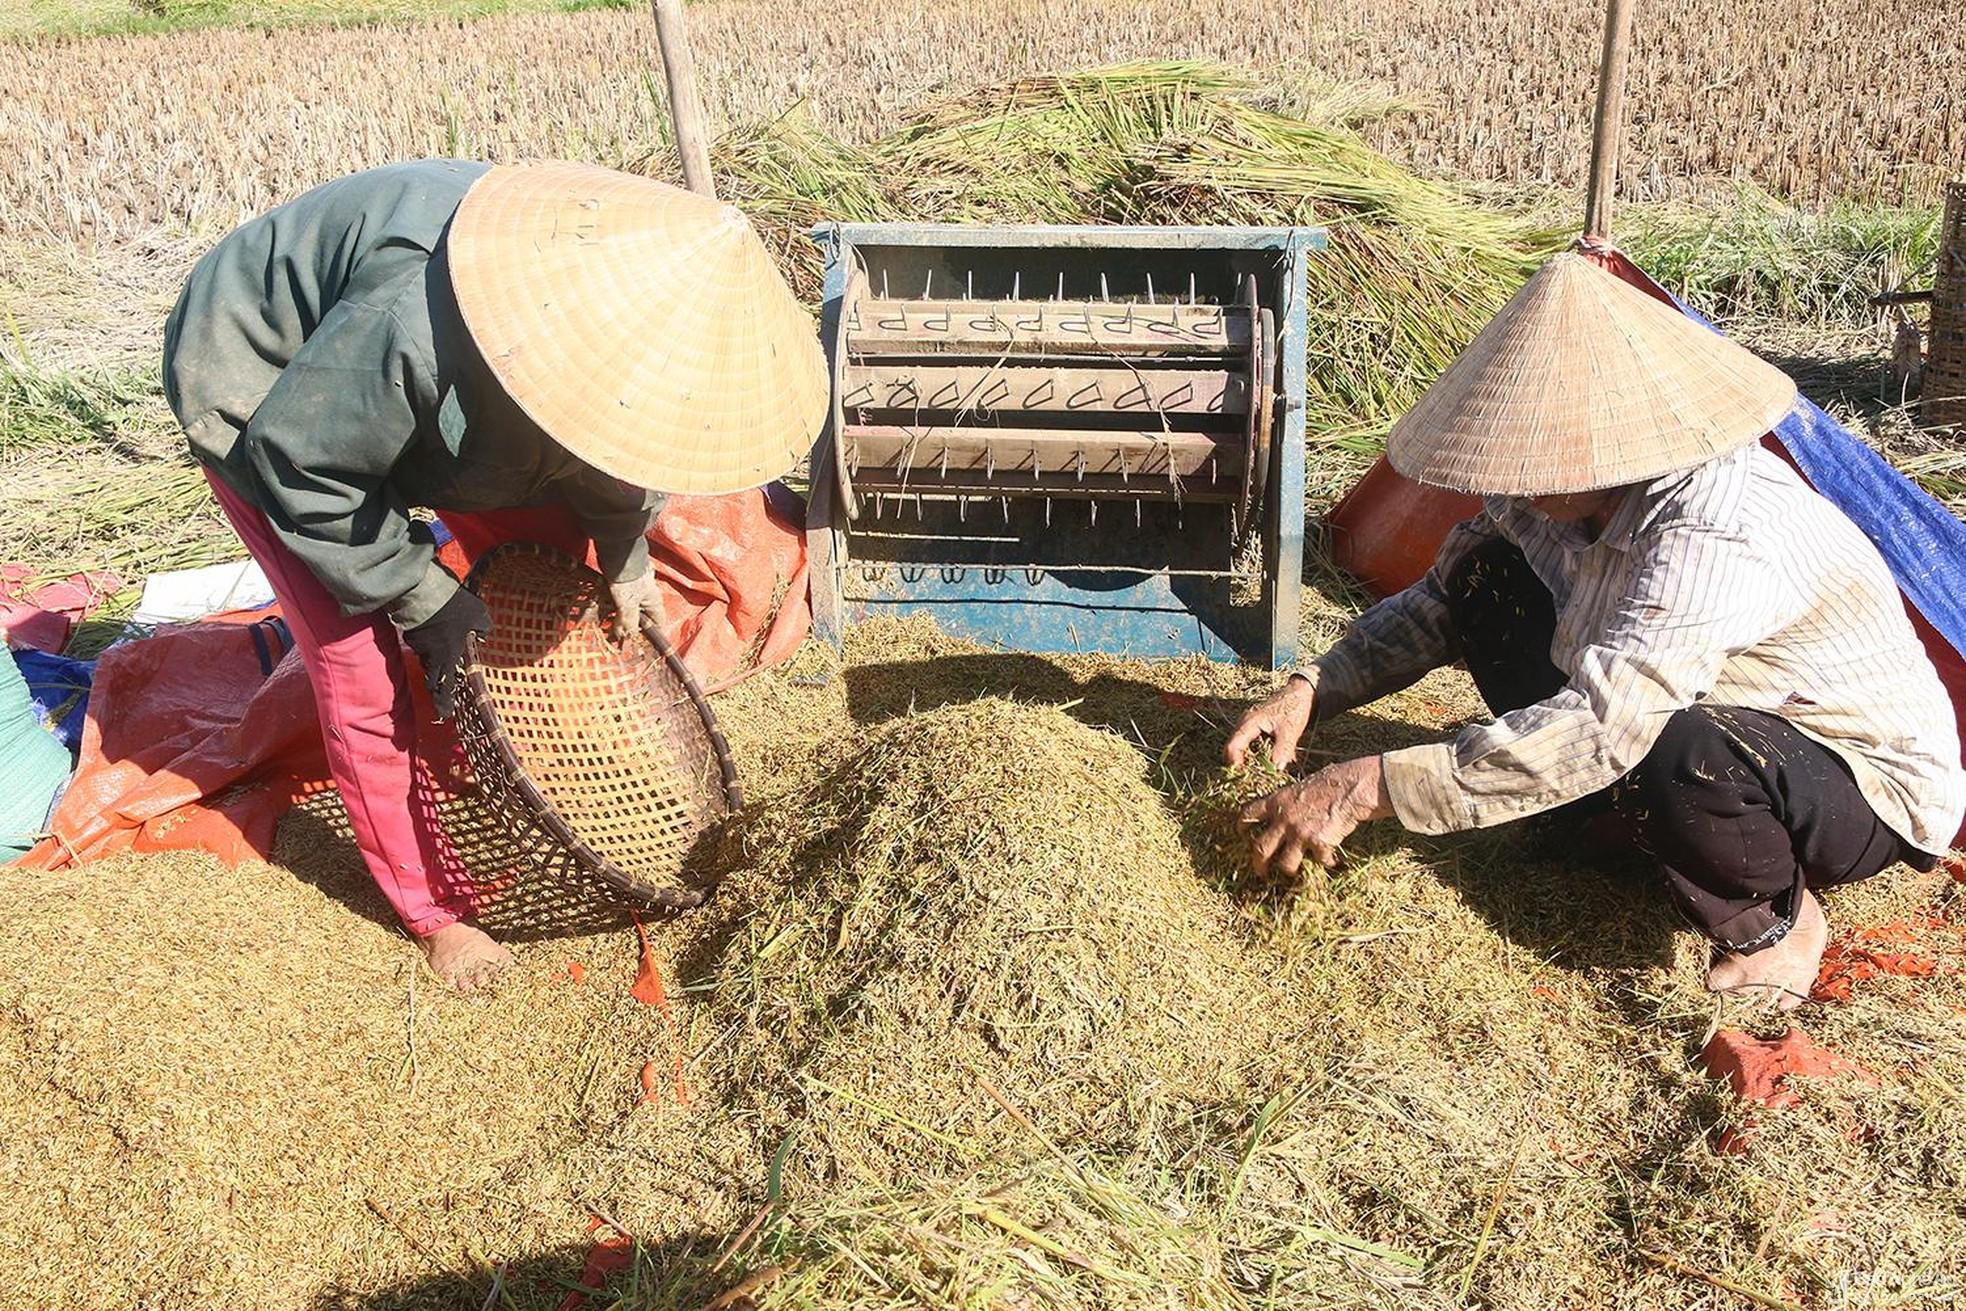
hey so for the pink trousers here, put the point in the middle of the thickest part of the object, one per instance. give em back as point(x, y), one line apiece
point(369, 723)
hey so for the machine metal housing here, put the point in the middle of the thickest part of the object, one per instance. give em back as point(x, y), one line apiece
point(1065, 438)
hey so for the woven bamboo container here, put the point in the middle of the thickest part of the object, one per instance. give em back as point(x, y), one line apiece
point(600, 759)
point(1945, 360)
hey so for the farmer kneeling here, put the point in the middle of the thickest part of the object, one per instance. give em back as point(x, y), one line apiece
point(1665, 619)
point(470, 339)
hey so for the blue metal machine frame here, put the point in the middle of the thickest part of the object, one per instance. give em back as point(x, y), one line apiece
point(1147, 612)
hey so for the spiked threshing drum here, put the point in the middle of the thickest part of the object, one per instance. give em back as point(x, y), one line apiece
point(1065, 438)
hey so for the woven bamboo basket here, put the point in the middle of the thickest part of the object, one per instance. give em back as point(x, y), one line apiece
point(1944, 388)
point(601, 758)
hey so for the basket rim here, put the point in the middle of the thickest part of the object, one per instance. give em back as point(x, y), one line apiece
point(517, 779)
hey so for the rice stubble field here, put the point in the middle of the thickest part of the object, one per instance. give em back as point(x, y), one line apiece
point(111, 136)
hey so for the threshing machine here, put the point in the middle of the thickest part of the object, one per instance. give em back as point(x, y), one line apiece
point(1065, 438)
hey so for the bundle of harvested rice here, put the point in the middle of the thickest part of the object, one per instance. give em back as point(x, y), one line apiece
point(985, 903)
point(1412, 272)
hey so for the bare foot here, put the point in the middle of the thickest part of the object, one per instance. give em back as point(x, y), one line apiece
point(1784, 973)
point(465, 957)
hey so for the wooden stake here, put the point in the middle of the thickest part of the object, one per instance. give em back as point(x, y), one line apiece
point(1607, 125)
point(679, 69)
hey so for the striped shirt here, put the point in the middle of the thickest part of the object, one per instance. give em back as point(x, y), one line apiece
point(1733, 583)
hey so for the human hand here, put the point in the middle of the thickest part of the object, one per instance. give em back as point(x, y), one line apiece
point(635, 598)
point(1284, 719)
point(439, 643)
point(1315, 816)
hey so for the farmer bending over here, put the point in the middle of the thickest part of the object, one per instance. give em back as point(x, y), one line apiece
point(469, 339)
point(1666, 621)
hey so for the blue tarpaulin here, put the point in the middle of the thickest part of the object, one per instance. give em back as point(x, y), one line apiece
point(1922, 541)
point(1924, 544)
point(59, 687)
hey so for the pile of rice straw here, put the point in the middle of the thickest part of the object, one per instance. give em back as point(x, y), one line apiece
point(985, 1014)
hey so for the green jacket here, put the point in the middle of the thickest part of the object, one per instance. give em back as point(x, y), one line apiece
point(319, 365)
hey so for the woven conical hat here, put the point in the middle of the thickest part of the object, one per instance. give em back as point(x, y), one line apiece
point(642, 326)
point(1584, 382)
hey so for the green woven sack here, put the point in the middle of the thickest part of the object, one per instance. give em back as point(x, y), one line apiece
point(33, 766)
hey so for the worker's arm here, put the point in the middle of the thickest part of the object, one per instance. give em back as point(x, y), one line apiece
point(1385, 649)
point(1313, 818)
point(321, 447)
point(1401, 639)
point(617, 516)
point(1699, 595)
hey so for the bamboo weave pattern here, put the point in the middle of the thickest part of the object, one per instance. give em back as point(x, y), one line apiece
point(603, 757)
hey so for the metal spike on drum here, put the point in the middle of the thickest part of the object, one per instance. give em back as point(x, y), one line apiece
point(601, 756)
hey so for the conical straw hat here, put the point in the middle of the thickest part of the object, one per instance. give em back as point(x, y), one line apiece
point(1584, 382)
point(642, 326)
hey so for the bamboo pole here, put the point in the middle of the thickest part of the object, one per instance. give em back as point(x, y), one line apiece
point(1608, 123)
point(679, 70)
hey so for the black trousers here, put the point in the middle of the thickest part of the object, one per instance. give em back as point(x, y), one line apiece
point(1740, 810)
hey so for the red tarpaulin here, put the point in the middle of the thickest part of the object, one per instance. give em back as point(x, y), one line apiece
point(203, 736)
point(43, 613)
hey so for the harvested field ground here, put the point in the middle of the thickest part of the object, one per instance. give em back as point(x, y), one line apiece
point(124, 17)
point(110, 137)
point(1414, 268)
point(983, 1017)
